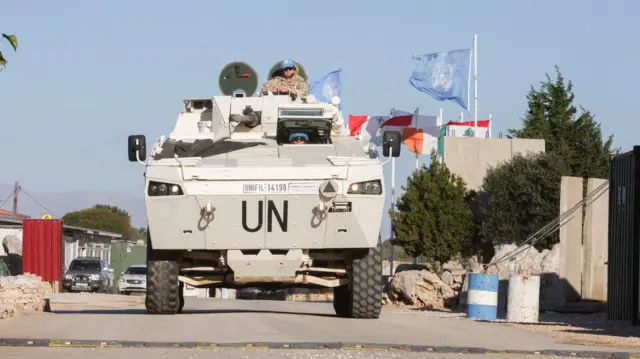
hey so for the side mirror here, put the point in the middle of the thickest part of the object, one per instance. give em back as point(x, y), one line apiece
point(121, 274)
point(137, 148)
point(392, 142)
point(110, 270)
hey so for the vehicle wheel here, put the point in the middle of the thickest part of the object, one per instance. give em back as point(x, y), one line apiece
point(362, 297)
point(163, 295)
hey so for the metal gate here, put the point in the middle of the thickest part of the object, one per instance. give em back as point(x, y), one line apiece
point(624, 237)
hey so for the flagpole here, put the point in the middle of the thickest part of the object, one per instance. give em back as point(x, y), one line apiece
point(490, 124)
point(475, 81)
point(416, 125)
point(415, 259)
point(393, 195)
point(440, 123)
point(469, 77)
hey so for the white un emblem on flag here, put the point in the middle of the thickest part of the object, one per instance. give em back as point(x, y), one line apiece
point(442, 75)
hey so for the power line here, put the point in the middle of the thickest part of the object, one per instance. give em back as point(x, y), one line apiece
point(35, 200)
point(6, 199)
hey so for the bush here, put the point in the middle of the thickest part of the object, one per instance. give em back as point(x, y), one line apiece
point(432, 219)
point(524, 196)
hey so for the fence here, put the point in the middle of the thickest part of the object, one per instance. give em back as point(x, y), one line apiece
point(125, 254)
point(624, 237)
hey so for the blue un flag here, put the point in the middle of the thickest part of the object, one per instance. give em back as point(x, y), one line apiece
point(444, 75)
point(327, 87)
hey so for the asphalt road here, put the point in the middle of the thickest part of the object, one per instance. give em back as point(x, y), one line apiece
point(250, 321)
point(64, 353)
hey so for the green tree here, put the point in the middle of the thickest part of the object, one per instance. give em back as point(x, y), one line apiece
point(106, 218)
point(13, 41)
point(432, 218)
point(577, 139)
point(114, 209)
point(524, 197)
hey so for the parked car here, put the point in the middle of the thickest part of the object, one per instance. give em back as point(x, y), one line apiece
point(134, 279)
point(88, 274)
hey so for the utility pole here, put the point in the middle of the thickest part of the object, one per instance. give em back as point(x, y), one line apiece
point(16, 190)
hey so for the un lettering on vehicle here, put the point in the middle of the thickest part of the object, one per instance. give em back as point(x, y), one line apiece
point(265, 187)
point(275, 214)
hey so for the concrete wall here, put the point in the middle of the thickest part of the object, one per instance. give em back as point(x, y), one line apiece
point(596, 243)
point(584, 245)
point(471, 157)
point(571, 238)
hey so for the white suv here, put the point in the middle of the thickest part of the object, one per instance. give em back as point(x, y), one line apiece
point(134, 279)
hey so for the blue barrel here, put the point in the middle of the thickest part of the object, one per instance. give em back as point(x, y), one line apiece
point(482, 298)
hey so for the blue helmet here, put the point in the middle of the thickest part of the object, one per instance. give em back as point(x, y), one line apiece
point(287, 63)
point(301, 135)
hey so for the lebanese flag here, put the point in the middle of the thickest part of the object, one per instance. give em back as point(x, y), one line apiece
point(422, 135)
point(466, 129)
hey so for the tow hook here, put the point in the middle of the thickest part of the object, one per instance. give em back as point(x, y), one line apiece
point(207, 212)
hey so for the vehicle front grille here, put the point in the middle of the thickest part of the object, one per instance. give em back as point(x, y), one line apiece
point(134, 281)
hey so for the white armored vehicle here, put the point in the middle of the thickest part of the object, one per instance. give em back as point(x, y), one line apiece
point(232, 203)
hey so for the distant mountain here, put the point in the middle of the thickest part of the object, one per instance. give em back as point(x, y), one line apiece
point(64, 202)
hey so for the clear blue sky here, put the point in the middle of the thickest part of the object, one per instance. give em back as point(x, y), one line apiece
point(90, 73)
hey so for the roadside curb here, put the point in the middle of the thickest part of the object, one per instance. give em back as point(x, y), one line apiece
point(18, 342)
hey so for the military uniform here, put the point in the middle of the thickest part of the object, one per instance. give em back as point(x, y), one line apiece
point(296, 82)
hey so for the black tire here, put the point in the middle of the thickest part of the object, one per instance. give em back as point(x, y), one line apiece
point(163, 286)
point(362, 297)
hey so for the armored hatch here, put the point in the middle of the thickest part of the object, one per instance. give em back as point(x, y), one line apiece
point(277, 71)
point(236, 78)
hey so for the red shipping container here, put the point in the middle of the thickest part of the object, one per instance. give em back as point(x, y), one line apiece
point(42, 248)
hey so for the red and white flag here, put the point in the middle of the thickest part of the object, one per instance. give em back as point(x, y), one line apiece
point(419, 133)
point(467, 129)
point(368, 126)
point(422, 135)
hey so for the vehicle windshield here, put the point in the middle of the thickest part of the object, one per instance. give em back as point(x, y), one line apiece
point(92, 266)
point(136, 270)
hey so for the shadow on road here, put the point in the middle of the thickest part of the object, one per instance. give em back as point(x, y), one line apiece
point(141, 311)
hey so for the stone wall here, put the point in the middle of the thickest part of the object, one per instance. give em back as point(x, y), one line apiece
point(23, 294)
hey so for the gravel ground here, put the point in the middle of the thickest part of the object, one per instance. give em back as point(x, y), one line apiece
point(574, 329)
point(585, 329)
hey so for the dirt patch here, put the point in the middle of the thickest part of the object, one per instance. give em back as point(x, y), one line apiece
point(585, 329)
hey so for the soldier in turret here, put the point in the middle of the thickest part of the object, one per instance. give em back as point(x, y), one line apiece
point(291, 82)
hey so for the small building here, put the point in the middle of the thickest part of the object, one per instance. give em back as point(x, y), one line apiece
point(78, 241)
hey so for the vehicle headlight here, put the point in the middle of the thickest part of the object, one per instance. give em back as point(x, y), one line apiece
point(68, 276)
point(368, 187)
point(94, 276)
point(163, 189)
